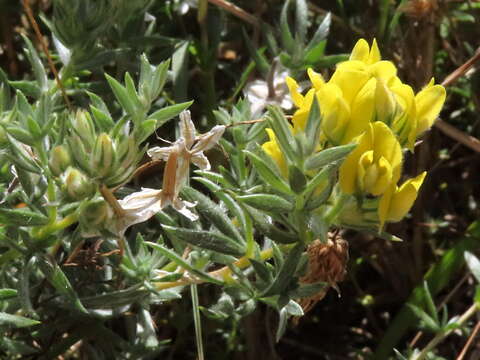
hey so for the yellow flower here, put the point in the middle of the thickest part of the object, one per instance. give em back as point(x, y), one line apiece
point(364, 59)
point(404, 122)
point(362, 90)
point(429, 101)
point(316, 79)
point(374, 164)
point(362, 52)
point(397, 201)
point(347, 100)
point(335, 112)
point(385, 102)
point(342, 120)
point(273, 150)
point(297, 97)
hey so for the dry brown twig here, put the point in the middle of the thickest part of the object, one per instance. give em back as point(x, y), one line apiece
point(236, 11)
point(449, 130)
point(469, 342)
point(40, 39)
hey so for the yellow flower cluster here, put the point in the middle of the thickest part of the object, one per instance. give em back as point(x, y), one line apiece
point(374, 168)
point(365, 102)
point(365, 89)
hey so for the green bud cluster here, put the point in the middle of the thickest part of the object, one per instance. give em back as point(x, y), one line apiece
point(77, 185)
point(94, 213)
point(59, 160)
point(81, 28)
point(3, 137)
point(107, 159)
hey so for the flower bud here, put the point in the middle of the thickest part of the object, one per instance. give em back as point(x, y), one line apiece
point(59, 160)
point(429, 101)
point(404, 124)
point(128, 152)
point(94, 212)
point(385, 103)
point(84, 128)
point(3, 137)
point(80, 156)
point(77, 185)
point(103, 155)
point(374, 164)
point(272, 149)
point(396, 202)
point(335, 113)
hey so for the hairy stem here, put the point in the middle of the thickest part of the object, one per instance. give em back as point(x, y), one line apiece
point(197, 321)
point(222, 273)
point(44, 231)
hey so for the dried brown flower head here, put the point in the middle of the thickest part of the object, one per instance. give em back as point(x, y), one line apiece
point(326, 263)
point(419, 9)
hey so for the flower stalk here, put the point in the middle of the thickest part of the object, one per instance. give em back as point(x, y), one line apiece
point(472, 310)
point(222, 273)
point(44, 231)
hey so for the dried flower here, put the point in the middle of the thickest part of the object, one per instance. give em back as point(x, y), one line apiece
point(326, 263)
point(188, 148)
point(274, 90)
point(142, 205)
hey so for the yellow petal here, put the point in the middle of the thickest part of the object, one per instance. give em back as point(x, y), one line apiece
point(300, 116)
point(365, 175)
point(350, 81)
point(335, 112)
point(405, 122)
point(373, 178)
point(349, 169)
point(362, 111)
point(360, 51)
point(387, 145)
point(293, 87)
point(374, 55)
point(394, 81)
point(404, 197)
point(315, 78)
point(384, 204)
point(383, 177)
point(429, 102)
point(272, 149)
point(405, 97)
point(271, 135)
point(352, 65)
point(385, 104)
point(384, 70)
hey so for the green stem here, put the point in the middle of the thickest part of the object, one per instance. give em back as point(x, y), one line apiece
point(207, 61)
point(52, 211)
point(44, 231)
point(224, 272)
point(384, 10)
point(249, 236)
point(301, 224)
point(394, 22)
point(335, 210)
point(111, 200)
point(197, 321)
point(442, 335)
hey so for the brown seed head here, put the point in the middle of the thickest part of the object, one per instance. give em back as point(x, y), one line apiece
point(419, 9)
point(326, 263)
